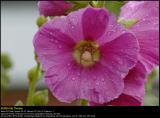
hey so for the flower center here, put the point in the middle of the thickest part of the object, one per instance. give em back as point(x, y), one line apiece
point(86, 53)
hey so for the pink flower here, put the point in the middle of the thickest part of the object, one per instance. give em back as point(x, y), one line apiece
point(146, 29)
point(53, 8)
point(86, 55)
point(147, 32)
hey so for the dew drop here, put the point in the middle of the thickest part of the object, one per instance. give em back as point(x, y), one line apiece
point(51, 33)
point(72, 27)
point(73, 78)
point(97, 83)
point(68, 64)
point(102, 79)
point(56, 41)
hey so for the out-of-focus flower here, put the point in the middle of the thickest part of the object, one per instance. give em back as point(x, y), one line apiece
point(54, 8)
point(86, 55)
point(146, 29)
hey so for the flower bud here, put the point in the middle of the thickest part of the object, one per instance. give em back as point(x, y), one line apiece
point(41, 98)
point(31, 74)
point(41, 20)
point(5, 61)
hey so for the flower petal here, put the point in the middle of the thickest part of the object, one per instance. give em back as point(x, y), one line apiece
point(94, 22)
point(51, 44)
point(64, 81)
point(112, 31)
point(147, 33)
point(135, 82)
point(122, 100)
point(121, 54)
point(140, 10)
point(100, 84)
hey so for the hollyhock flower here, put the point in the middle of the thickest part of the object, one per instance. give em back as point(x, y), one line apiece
point(86, 55)
point(53, 8)
point(146, 29)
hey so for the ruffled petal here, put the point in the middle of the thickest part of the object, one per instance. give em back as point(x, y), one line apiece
point(147, 33)
point(51, 45)
point(135, 82)
point(121, 54)
point(140, 10)
point(100, 84)
point(122, 100)
point(63, 81)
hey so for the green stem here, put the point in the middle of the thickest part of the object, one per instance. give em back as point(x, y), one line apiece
point(32, 86)
point(97, 4)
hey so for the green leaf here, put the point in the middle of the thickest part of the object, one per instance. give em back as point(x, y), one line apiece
point(114, 6)
point(127, 23)
point(78, 5)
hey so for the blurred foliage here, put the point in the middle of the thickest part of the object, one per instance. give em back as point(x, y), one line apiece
point(6, 65)
point(77, 5)
point(114, 6)
point(40, 98)
point(151, 99)
point(5, 61)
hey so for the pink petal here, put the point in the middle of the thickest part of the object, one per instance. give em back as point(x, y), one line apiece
point(147, 33)
point(135, 82)
point(71, 25)
point(113, 30)
point(140, 10)
point(94, 23)
point(63, 81)
point(53, 8)
point(51, 45)
point(121, 54)
point(122, 100)
point(100, 84)
point(125, 100)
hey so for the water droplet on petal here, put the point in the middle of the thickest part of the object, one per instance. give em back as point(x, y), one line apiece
point(102, 79)
point(97, 83)
point(68, 64)
point(51, 33)
point(72, 27)
point(56, 41)
point(73, 78)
